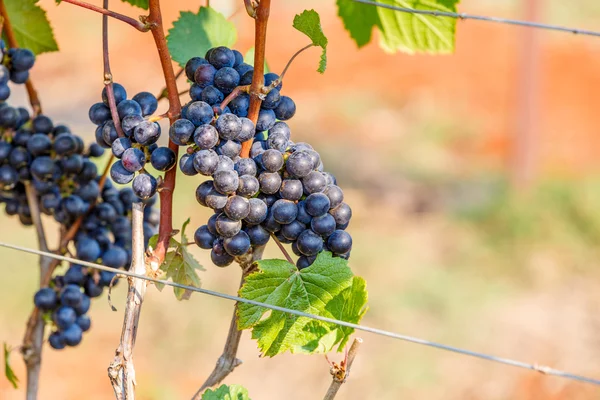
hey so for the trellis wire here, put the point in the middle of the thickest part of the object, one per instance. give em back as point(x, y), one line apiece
point(482, 18)
point(376, 331)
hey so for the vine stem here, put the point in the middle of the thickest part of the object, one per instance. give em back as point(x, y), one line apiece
point(32, 354)
point(258, 77)
point(165, 230)
point(278, 81)
point(121, 370)
point(34, 99)
point(140, 26)
point(108, 78)
point(283, 250)
point(341, 373)
point(228, 360)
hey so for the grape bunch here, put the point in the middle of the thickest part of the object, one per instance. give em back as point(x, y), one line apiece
point(55, 162)
point(15, 67)
point(281, 190)
point(138, 145)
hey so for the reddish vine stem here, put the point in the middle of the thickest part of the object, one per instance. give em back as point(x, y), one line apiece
point(108, 78)
point(283, 250)
point(34, 99)
point(124, 18)
point(258, 77)
point(235, 93)
point(165, 230)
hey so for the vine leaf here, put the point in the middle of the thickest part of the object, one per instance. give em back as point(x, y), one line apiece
point(179, 265)
point(224, 392)
point(193, 34)
point(31, 26)
point(359, 20)
point(327, 288)
point(309, 23)
point(249, 59)
point(414, 33)
point(138, 3)
point(8, 371)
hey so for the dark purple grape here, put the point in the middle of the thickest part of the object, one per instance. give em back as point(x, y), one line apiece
point(163, 159)
point(64, 317)
point(226, 79)
point(272, 160)
point(195, 93)
point(299, 164)
point(266, 120)
point(119, 174)
point(340, 242)
point(144, 186)
point(226, 226)
point(271, 100)
point(221, 57)
point(203, 238)
point(278, 141)
point(342, 214)
point(45, 299)
point(305, 262)
point(128, 107)
point(206, 136)
point(192, 65)
point(83, 322)
point(248, 186)
point(226, 182)
point(285, 109)
point(215, 200)
point(240, 105)
point(303, 216)
point(147, 133)
point(219, 256)
point(147, 102)
point(205, 75)
point(314, 182)
point(202, 191)
point(270, 77)
point(237, 207)
point(119, 146)
point(199, 113)
point(56, 340)
point(284, 211)
point(323, 225)
point(181, 132)
point(115, 257)
point(292, 230)
point(133, 159)
point(71, 296)
point(237, 245)
point(247, 132)
point(270, 182)
point(309, 243)
point(257, 211)
point(258, 235)
point(39, 144)
point(211, 95)
point(205, 162)
point(229, 126)
point(317, 204)
point(119, 92)
point(99, 113)
point(229, 148)
point(130, 122)
point(291, 189)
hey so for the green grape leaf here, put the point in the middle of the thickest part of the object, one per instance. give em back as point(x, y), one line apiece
point(309, 23)
point(8, 371)
point(180, 265)
point(326, 288)
point(249, 59)
point(193, 34)
point(138, 3)
point(31, 26)
point(417, 33)
point(359, 20)
point(224, 392)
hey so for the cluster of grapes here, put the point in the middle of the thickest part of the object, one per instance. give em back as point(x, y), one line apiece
point(139, 143)
point(55, 162)
point(15, 66)
point(222, 70)
point(280, 190)
point(105, 236)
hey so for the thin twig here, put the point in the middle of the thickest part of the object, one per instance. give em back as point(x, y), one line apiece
point(108, 78)
point(234, 93)
point(31, 348)
point(140, 26)
point(258, 77)
point(283, 250)
point(228, 360)
point(376, 331)
point(166, 194)
point(340, 373)
point(34, 99)
point(121, 370)
point(278, 81)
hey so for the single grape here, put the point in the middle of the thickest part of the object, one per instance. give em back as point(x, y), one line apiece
point(335, 195)
point(144, 186)
point(130, 122)
point(119, 174)
point(163, 159)
point(226, 182)
point(226, 79)
point(215, 200)
point(133, 159)
point(99, 113)
point(84, 322)
point(291, 189)
point(226, 226)
point(272, 160)
point(285, 109)
point(248, 186)
point(91, 288)
point(206, 136)
point(270, 182)
point(84, 305)
point(340, 242)
point(323, 225)
point(71, 296)
point(115, 257)
point(299, 164)
point(270, 77)
point(199, 113)
point(88, 249)
point(205, 75)
point(19, 77)
point(119, 146)
point(211, 95)
point(64, 144)
point(229, 126)
point(229, 148)
point(309, 243)
point(303, 216)
point(225, 164)
point(45, 299)
point(292, 230)
point(278, 141)
point(128, 107)
point(270, 224)
point(119, 92)
point(147, 102)
point(43, 168)
point(317, 204)
point(72, 335)
point(64, 317)
point(221, 57)
point(342, 214)
point(245, 166)
point(238, 244)
point(72, 164)
point(314, 182)
point(192, 65)
point(284, 211)
point(202, 191)
point(57, 341)
point(305, 262)
point(205, 162)
point(237, 207)
point(181, 131)
point(258, 235)
point(147, 133)
point(203, 238)
point(240, 105)
point(257, 211)
point(219, 256)
point(195, 93)
point(266, 120)
point(8, 177)
point(280, 127)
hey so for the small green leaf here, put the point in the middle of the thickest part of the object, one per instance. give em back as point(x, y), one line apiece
point(8, 371)
point(31, 26)
point(326, 288)
point(359, 20)
point(224, 392)
point(414, 33)
point(193, 34)
point(180, 266)
point(309, 23)
point(138, 3)
point(249, 59)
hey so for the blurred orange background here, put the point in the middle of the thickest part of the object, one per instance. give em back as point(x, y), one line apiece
point(426, 149)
